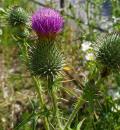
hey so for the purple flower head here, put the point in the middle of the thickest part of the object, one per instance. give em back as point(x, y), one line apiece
point(47, 22)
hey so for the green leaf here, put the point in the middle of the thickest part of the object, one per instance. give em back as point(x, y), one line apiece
point(80, 124)
point(34, 123)
point(68, 91)
point(2, 11)
point(26, 120)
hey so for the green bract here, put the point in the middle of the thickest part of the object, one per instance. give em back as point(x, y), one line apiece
point(45, 59)
point(17, 16)
point(108, 50)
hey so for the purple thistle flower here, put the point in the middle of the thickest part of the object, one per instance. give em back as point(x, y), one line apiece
point(47, 22)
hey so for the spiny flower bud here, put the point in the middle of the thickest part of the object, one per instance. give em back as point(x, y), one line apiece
point(108, 50)
point(47, 23)
point(20, 33)
point(17, 16)
point(45, 59)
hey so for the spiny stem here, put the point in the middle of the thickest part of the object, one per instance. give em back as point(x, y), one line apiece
point(74, 112)
point(54, 102)
point(38, 88)
point(26, 51)
point(55, 108)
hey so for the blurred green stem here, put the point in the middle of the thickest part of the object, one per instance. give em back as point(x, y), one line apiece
point(54, 102)
point(74, 112)
point(38, 89)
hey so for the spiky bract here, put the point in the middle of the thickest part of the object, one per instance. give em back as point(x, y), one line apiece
point(108, 50)
point(45, 60)
point(17, 16)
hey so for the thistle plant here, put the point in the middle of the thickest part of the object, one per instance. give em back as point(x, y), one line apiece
point(108, 55)
point(17, 16)
point(107, 49)
point(42, 57)
point(18, 20)
point(46, 62)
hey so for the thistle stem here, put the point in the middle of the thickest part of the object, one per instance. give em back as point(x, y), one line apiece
point(38, 89)
point(54, 102)
point(55, 108)
point(74, 112)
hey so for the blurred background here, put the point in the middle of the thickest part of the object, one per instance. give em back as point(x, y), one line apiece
point(84, 21)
